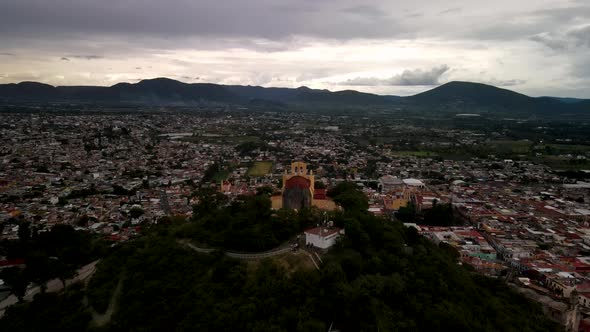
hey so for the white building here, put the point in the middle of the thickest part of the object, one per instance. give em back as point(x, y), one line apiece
point(322, 237)
point(415, 183)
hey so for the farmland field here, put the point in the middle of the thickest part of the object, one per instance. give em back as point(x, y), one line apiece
point(259, 168)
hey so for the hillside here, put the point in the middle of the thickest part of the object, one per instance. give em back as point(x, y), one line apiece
point(168, 288)
point(468, 94)
point(454, 96)
point(382, 276)
point(167, 91)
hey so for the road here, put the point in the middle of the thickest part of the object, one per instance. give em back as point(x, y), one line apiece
point(258, 255)
point(237, 255)
point(54, 285)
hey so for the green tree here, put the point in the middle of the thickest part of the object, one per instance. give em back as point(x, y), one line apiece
point(348, 195)
point(135, 212)
point(24, 231)
point(16, 278)
point(63, 271)
point(407, 213)
point(39, 269)
point(439, 215)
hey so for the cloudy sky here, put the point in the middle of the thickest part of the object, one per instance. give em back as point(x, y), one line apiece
point(538, 47)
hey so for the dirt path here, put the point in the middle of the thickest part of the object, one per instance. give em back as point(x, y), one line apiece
point(102, 319)
point(54, 285)
point(254, 255)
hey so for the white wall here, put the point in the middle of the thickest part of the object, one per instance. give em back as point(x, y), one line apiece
point(321, 242)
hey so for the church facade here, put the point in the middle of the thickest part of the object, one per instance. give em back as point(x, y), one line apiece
point(299, 192)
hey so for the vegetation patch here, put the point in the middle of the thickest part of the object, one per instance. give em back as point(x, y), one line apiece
point(259, 168)
point(369, 281)
point(507, 146)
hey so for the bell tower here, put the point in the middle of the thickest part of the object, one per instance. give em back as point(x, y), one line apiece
point(298, 186)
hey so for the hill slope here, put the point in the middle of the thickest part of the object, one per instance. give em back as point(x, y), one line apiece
point(477, 95)
point(381, 277)
point(458, 96)
point(165, 91)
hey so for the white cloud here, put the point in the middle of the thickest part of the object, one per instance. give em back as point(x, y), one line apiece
point(407, 77)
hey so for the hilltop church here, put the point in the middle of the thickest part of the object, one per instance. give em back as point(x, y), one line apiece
point(299, 190)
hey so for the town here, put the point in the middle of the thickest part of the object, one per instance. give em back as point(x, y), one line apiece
point(513, 208)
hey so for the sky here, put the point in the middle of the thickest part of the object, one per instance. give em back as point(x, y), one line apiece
point(536, 47)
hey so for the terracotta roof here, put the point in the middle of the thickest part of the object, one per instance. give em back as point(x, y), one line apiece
point(297, 181)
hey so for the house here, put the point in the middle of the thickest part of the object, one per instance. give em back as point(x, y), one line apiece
point(322, 237)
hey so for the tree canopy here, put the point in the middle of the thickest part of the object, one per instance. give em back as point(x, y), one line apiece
point(381, 276)
point(247, 224)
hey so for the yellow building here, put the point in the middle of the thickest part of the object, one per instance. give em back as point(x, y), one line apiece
point(299, 192)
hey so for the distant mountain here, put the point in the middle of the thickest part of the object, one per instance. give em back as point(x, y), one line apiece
point(454, 96)
point(566, 100)
point(28, 90)
point(306, 95)
point(482, 96)
point(471, 93)
point(155, 91)
point(164, 91)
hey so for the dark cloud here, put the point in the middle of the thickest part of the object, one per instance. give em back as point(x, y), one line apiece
point(84, 57)
point(371, 12)
point(551, 41)
point(181, 18)
point(540, 24)
point(505, 31)
point(575, 37)
point(64, 59)
point(415, 15)
point(7, 54)
point(581, 35)
point(574, 43)
point(451, 11)
point(580, 69)
point(162, 23)
point(496, 82)
point(186, 77)
point(406, 78)
point(563, 15)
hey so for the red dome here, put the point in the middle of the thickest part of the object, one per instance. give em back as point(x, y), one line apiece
point(298, 182)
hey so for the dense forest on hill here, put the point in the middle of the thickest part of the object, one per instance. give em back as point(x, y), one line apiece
point(380, 277)
point(247, 224)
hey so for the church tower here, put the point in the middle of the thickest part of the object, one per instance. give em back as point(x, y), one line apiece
point(298, 186)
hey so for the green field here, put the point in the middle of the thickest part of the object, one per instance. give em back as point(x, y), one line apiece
point(259, 168)
point(520, 147)
point(564, 148)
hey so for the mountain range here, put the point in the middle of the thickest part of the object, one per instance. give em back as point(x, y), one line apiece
point(458, 96)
